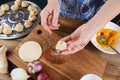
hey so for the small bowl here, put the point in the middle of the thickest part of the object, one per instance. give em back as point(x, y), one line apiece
point(91, 77)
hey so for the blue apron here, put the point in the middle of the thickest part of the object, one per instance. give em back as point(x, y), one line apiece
point(80, 9)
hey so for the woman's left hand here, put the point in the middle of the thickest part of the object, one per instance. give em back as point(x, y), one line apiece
point(78, 39)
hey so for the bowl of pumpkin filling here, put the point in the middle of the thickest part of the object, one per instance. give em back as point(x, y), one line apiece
point(106, 37)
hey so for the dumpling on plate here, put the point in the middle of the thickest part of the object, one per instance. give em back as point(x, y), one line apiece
point(24, 4)
point(32, 17)
point(28, 23)
point(17, 2)
point(18, 27)
point(34, 12)
point(5, 7)
point(2, 12)
point(31, 7)
point(1, 29)
point(7, 30)
point(14, 8)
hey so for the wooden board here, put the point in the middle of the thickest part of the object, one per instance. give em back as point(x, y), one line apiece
point(69, 67)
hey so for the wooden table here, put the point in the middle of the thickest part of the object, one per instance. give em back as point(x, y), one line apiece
point(112, 71)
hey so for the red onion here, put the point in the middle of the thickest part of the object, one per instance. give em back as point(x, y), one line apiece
point(43, 76)
point(34, 67)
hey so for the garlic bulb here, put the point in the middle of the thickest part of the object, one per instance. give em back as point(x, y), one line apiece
point(19, 74)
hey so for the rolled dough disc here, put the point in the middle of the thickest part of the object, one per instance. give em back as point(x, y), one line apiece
point(30, 51)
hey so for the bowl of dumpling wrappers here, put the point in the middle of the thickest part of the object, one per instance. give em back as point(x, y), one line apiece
point(18, 18)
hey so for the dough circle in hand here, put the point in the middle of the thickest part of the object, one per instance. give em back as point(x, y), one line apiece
point(24, 4)
point(5, 7)
point(7, 30)
point(2, 12)
point(28, 24)
point(30, 51)
point(61, 45)
point(14, 8)
point(19, 27)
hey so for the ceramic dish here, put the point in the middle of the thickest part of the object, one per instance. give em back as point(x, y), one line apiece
point(108, 50)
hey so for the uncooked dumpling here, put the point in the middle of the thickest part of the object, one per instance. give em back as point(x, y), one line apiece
point(7, 30)
point(19, 27)
point(24, 4)
point(28, 23)
point(1, 29)
point(5, 7)
point(30, 51)
point(14, 8)
point(32, 17)
point(34, 12)
point(31, 7)
point(61, 45)
point(17, 3)
point(2, 12)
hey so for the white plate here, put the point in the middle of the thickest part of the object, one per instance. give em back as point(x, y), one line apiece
point(112, 26)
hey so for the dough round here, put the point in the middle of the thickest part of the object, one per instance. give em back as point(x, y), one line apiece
point(14, 8)
point(19, 27)
point(31, 7)
point(5, 7)
point(61, 45)
point(24, 4)
point(34, 12)
point(7, 30)
point(28, 23)
point(1, 29)
point(17, 3)
point(30, 51)
point(32, 17)
point(2, 12)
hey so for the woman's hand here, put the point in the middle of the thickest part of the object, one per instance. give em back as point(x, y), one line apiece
point(49, 16)
point(78, 39)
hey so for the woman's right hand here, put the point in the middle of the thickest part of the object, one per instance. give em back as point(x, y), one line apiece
point(49, 16)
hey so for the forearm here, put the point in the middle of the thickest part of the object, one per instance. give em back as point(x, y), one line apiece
point(53, 1)
point(107, 12)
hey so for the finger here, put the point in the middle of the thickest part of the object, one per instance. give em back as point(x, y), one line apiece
point(44, 23)
point(74, 50)
point(67, 38)
point(55, 18)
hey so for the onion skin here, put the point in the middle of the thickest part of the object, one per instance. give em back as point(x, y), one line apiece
point(34, 67)
point(43, 76)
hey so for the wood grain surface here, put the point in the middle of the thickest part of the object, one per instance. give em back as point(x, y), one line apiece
point(69, 67)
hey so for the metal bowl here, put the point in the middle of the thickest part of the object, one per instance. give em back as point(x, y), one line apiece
point(11, 18)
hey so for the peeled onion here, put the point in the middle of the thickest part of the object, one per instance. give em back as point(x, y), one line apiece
point(19, 74)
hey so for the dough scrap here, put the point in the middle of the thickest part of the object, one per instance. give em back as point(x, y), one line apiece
point(30, 51)
point(19, 27)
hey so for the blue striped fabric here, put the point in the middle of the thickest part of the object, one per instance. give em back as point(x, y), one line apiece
point(80, 9)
